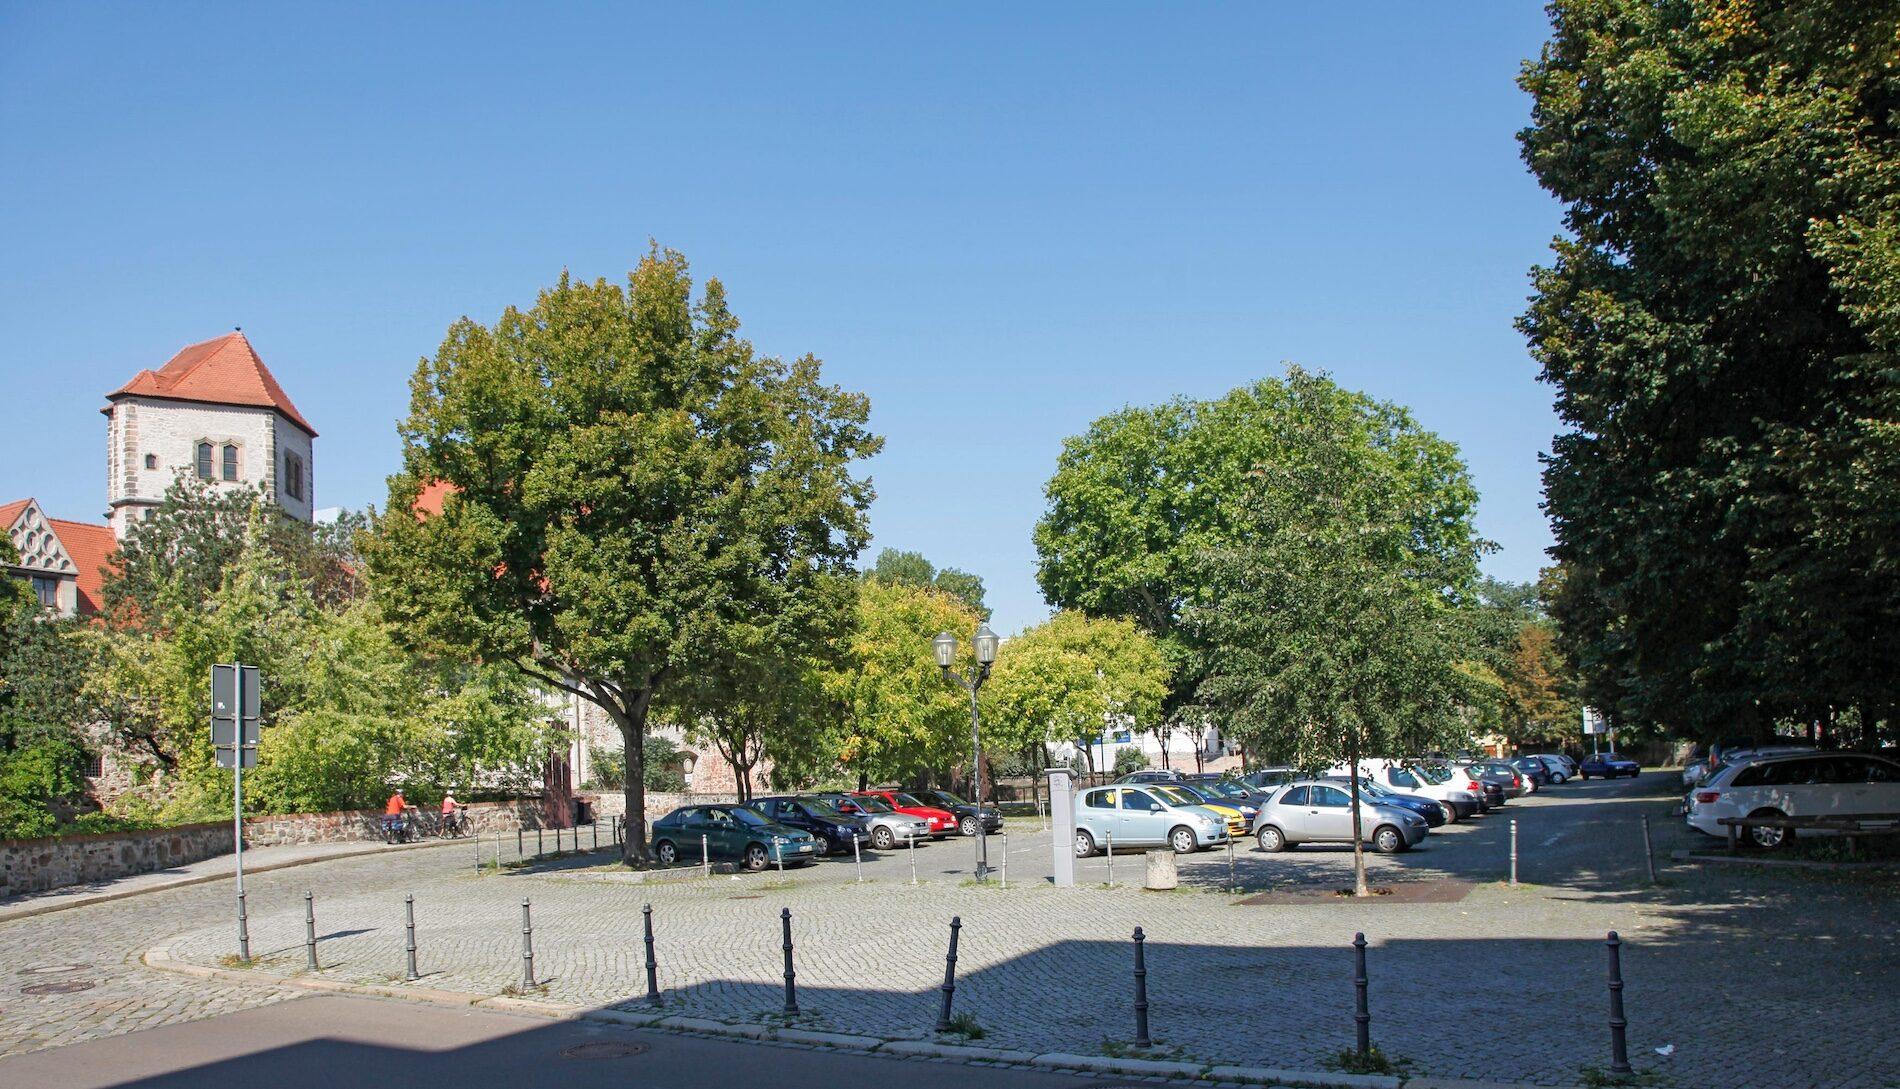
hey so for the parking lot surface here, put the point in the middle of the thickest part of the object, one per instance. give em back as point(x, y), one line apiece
point(1746, 978)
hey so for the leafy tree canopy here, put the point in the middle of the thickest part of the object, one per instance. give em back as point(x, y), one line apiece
point(1720, 325)
point(1069, 678)
point(629, 486)
point(912, 569)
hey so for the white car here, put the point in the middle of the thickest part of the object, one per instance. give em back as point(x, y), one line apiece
point(1455, 796)
point(1834, 784)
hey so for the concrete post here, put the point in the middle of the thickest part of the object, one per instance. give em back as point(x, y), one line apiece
point(1062, 825)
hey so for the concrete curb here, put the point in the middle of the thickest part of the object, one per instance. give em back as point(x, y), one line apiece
point(160, 959)
point(26, 909)
point(1780, 863)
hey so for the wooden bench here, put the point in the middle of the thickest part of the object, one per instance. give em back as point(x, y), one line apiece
point(1867, 824)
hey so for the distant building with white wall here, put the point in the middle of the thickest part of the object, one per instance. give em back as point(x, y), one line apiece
point(214, 411)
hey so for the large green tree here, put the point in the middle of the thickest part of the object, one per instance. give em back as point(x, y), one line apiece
point(1720, 325)
point(1140, 497)
point(40, 708)
point(627, 481)
point(912, 569)
point(1069, 678)
point(1336, 619)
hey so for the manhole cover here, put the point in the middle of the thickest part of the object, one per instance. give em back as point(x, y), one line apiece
point(602, 1049)
point(53, 969)
point(64, 986)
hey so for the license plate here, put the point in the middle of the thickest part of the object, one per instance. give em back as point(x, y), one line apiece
point(804, 847)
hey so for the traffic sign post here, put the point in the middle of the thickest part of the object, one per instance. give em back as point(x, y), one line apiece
point(1594, 727)
point(236, 699)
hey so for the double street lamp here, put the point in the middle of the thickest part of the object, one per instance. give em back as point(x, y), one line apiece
point(945, 646)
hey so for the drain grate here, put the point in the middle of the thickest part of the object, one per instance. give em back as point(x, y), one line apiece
point(63, 986)
point(602, 1049)
point(53, 969)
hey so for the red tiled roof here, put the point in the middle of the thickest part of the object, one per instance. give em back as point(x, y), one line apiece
point(91, 548)
point(429, 499)
point(10, 511)
point(223, 371)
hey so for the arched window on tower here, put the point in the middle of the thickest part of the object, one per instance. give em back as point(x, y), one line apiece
point(230, 462)
point(204, 461)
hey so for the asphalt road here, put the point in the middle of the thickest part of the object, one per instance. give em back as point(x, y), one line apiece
point(324, 1042)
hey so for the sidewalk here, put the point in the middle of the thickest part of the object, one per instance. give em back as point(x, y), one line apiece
point(256, 860)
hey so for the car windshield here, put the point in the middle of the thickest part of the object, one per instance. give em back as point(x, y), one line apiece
point(1221, 788)
point(1430, 775)
point(1177, 795)
point(946, 797)
point(748, 817)
point(871, 804)
point(906, 800)
point(819, 807)
point(1367, 786)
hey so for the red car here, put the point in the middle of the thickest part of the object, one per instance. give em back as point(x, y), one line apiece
point(942, 822)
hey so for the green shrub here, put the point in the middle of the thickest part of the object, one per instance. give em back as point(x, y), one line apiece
point(1129, 759)
point(32, 780)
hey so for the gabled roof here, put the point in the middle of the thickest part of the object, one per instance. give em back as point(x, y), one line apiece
point(91, 548)
point(222, 371)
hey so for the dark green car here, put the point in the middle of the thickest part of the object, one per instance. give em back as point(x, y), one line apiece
point(730, 832)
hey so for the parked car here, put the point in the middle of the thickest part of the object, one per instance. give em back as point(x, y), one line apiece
point(1835, 784)
point(1560, 767)
point(941, 822)
point(1459, 800)
point(732, 832)
point(836, 832)
point(1239, 818)
point(1316, 811)
point(1268, 780)
point(967, 814)
point(1429, 808)
point(1486, 787)
point(1533, 769)
point(1230, 788)
point(1608, 765)
point(1510, 778)
point(887, 826)
point(1152, 775)
point(1143, 815)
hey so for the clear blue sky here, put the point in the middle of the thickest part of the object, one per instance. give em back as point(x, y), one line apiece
point(999, 221)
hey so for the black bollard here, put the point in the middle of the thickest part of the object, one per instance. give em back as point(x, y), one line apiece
point(595, 829)
point(309, 931)
point(244, 930)
point(791, 986)
point(949, 987)
point(537, 842)
point(1141, 992)
point(1362, 1017)
point(527, 945)
point(1619, 1045)
point(409, 924)
point(518, 848)
point(653, 966)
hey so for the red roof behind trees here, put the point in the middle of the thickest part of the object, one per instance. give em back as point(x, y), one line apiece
point(223, 371)
point(91, 548)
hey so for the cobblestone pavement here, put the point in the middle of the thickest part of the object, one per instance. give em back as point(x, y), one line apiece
point(1757, 979)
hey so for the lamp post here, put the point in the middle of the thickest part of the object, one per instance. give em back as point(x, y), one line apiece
point(945, 646)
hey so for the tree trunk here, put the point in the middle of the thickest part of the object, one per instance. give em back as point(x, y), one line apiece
point(632, 721)
point(1358, 836)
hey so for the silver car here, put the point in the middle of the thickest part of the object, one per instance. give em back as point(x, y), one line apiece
point(1313, 811)
point(887, 827)
point(1137, 816)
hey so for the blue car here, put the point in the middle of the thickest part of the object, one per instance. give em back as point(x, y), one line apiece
point(1608, 765)
point(1427, 808)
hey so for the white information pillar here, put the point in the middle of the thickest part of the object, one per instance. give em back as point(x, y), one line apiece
point(1062, 826)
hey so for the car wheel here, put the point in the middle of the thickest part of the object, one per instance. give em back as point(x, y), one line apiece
point(1182, 840)
point(883, 838)
point(666, 853)
point(1558, 778)
point(1451, 812)
point(1270, 839)
point(756, 858)
point(1084, 844)
point(1387, 840)
point(967, 826)
point(1769, 839)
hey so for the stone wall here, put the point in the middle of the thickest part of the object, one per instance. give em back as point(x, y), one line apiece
point(366, 824)
point(36, 865)
point(614, 803)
